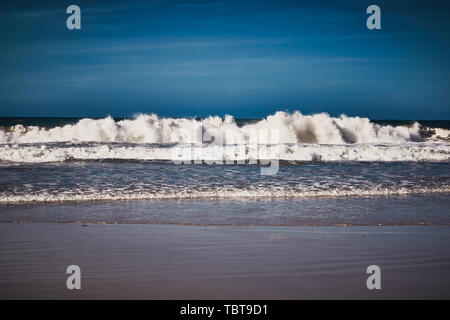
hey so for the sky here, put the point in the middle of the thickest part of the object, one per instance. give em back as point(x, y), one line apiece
point(244, 58)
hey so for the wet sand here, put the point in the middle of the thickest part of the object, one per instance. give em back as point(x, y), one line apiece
point(127, 261)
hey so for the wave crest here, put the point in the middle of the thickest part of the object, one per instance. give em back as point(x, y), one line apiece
point(293, 128)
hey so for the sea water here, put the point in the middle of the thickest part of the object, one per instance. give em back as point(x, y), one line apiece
point(332, 171)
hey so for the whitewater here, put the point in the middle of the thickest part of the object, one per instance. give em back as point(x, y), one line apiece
point(151, 158)
point(317, 137)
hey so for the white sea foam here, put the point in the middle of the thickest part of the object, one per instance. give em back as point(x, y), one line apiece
point(219, 193)
point(441, 134)
point(293, 128)
point(289, 152)
point(301, 138)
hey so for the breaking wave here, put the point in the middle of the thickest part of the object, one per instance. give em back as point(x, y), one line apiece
point(287, 152)
point(293, 128)
point(299, 138)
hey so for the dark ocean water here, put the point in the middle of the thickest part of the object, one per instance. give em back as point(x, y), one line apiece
point(51, 122)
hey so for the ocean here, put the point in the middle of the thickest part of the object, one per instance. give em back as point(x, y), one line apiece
point(148, 169)
point(152, 207)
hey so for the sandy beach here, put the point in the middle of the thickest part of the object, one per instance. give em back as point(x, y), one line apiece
point(148, 261)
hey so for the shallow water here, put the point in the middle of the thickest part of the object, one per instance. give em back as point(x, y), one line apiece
point(154, 192)
point(125, 180)
point(366, 211)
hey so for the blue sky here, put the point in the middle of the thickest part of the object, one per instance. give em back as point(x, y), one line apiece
point(245, 58)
